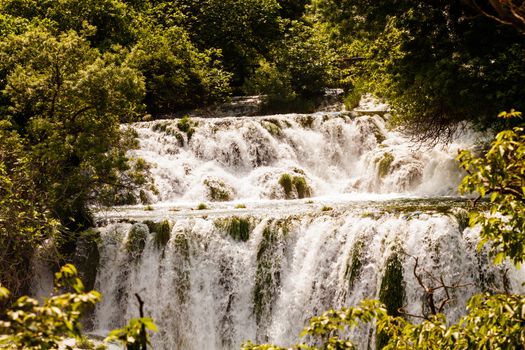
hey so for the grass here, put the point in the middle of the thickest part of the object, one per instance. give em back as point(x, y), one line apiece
point(202, 206)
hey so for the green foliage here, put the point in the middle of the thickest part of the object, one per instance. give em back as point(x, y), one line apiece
point(66, 102)
point(500, 174)
point(134, 336)
point(425, 59)
point(353, 98)
point(300, 66)
point(31, 325)
point(326, 208)
point(494, 322)
point(178, 75)
point(242, 30)
point(25, 220)
point(110, 20)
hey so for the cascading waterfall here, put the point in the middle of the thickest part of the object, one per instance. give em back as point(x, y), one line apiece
point(214, 278)
point(335, 153)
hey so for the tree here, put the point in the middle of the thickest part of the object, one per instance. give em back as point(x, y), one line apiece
point(66, 101)
point(112, 19)
point(508, 12)
point(242, 30)
point(500, 174)
point(440, 74)
point(178, 76)
point(24, 225)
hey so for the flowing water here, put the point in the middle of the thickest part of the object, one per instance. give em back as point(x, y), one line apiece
point(304, 213)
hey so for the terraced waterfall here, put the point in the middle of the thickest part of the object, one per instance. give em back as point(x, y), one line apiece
point(299, 214)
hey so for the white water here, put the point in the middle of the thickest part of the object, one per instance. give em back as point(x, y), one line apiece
point(206, 290)
point(337, 153)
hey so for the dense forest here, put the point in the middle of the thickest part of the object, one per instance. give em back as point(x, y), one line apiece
point(73, 73)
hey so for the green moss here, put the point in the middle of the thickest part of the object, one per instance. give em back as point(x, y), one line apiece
point(161, 232)
point(378, 134)
point(302, 188)
point(182, 245)
point(180, 138)
point(160, 126)
point(267, 276)
point(306, 121)
point(137, 239)
point(273, 126)
point(217, 190)
point(181, 270)
point(240, 206)
point(148, 208)
point(356, 262)
point(462, 218)
point(144, 199)
point(202, 206)
point(187, 126)
point(286, 183)
point(326, 208)
point(238, 228)
point(391, 293)
point(384, 165)
point(298, 183)
point(84, 343)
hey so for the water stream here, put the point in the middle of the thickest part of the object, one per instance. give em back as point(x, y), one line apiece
point(303, 214)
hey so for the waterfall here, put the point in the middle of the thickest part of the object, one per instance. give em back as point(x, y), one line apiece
point(305, 213)
point(335, 153)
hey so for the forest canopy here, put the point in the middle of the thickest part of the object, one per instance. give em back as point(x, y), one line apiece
point(73, 73)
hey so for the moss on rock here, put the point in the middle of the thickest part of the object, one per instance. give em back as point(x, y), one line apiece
point(286, 183)
point(267, 276)
point(356, 262)
point(391, 293)
point(236, 227)
point(294, 186)
point(217, 190)
point(384, 165)
point(302, 188)
point(136, 241)
point(161, 232)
